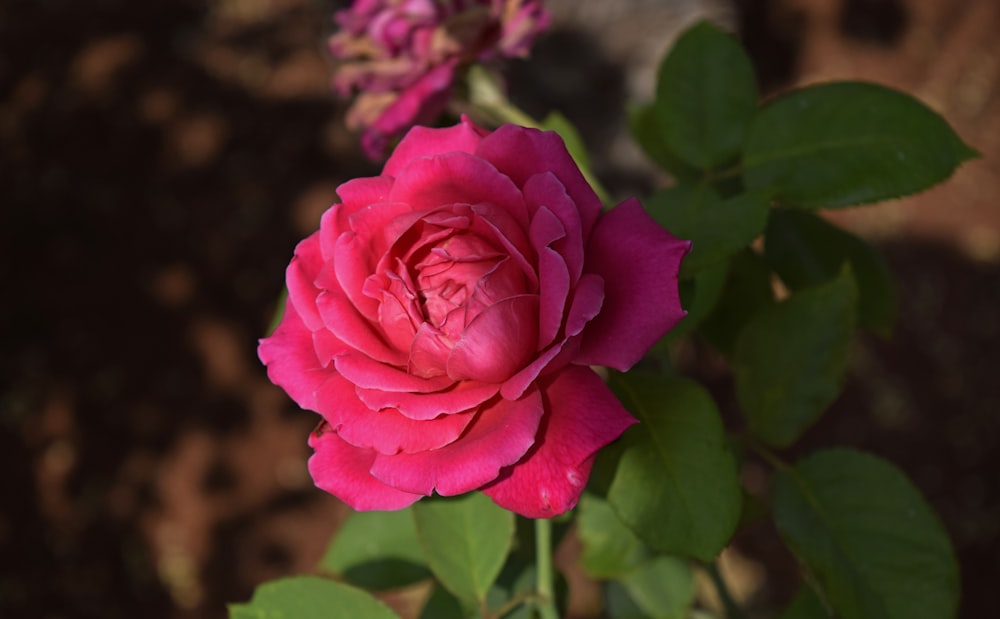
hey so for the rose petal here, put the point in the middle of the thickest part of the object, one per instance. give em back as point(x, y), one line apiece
point(518, 383)
point(343, 470)
point(385, 431)
point(520, 153)
point(497, 342)
point(422, 142)
point(300, 277)
point(359, 193)
point(370, 374)
point(343, 320)
point(638, 260)
point(291, 361)
point(429, 352)
point(496, 223)
point(588, 298)
point(455, 178)
point(420, 406)
point(421, 103)
point(553, 275)
point(501, 434)
point(545, 190)
point(582, 416)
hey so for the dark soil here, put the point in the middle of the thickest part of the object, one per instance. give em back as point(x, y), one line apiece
point(158, 163)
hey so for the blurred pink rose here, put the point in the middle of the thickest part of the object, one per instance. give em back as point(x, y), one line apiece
point(401, 56)
point(444, 317)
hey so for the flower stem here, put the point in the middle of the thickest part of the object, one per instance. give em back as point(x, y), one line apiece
point(733, 610)
point(543, 565)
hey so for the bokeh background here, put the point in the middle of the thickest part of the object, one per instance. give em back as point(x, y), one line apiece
point(158, 163)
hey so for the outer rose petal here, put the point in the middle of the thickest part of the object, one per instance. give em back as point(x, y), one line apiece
point(582, 416)
point(343, 470)
point(638, 260)
point(425, 142)
point(386, 431)
point(419, 406)
point(291, 360)
point(521, 153)
point(502, 433)
point(300, 277)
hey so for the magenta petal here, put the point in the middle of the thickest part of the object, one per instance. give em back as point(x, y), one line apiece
point(343, 470)
point(518, 383)
point(545, 190)
point(421, 102)
point(455, 178)
point(300, 277)
point(520, 153)
point(359, 193)
point(291, 359)
point(498, 342)
point(553, 275)
point(582, 416)
point(422, 142)
point(343, 320)
point(385, 431)
point(588, 298)
point(638, 260)
point(370, 374)
point(420, 406)
point(501, 434)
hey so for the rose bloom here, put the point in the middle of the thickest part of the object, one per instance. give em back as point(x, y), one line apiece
point(401, 56)
point(444, 318)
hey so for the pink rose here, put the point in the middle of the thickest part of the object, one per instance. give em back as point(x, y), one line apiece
point(401, 56)
point(444, 317)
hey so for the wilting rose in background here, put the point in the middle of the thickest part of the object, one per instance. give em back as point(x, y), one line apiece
point(401, 56)
point(444, 317)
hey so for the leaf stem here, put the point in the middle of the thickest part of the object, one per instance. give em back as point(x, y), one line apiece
point(543, 565)
point(733, 610)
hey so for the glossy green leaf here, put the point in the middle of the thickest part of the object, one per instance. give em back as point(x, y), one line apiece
point(377, 550)
point(610, 549)
point(676, 485)
point(663, 587)
point(717, 228)
point(309, 597)
point(867, 536)
point(466, 541)
point(806, 605)
point(746, 292)
point(706, 97)
point(847, 143)
point(805, 249)
point(647, 133)
point(790, 359)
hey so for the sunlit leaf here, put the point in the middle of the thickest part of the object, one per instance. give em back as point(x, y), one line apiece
point(309, 597)
point(377, 550)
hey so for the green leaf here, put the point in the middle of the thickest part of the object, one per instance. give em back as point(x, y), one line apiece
point(717, 228)
point(806, 605)
point(309, 597)
point(662, 587)
point(377, 550)
point(466, 541)
point(706, 96)
point(847, 143)
point(699, 296)
point(676, 485)
point(790, 360)
point(647, 133)
point(442, 605)
point(555, 121)
point(867, 536)
point(747, 291)
point(610, 549)
point(805, 250)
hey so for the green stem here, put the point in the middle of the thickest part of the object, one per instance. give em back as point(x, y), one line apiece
point(733, 610)
point(543, 563)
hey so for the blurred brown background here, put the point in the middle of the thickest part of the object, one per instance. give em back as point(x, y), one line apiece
point(158, 162)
